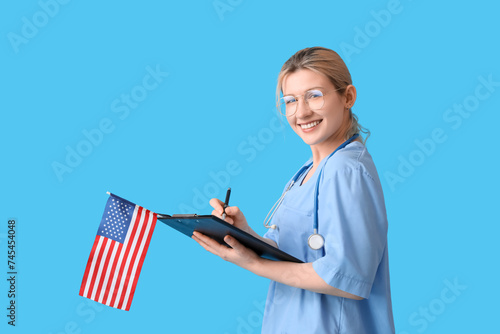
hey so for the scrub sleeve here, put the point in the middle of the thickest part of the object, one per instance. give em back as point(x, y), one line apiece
point(353, 222)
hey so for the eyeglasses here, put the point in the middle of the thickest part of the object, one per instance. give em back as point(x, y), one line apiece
point(314, 99)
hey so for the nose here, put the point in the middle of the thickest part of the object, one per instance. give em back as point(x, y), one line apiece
point(303, 110)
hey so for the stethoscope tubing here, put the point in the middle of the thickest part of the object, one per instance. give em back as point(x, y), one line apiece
point(316, 192)
point(316, 188)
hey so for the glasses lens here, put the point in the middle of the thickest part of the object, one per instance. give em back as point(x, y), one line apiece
point(287, 105)
point(314, 99)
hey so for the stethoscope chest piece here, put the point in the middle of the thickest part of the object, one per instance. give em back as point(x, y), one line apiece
point(316, 241)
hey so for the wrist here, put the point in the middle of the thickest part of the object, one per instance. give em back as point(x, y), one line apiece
point(256, 266)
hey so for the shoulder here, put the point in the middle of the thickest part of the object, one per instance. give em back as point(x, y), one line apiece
point(351, 177)
point(353, 160)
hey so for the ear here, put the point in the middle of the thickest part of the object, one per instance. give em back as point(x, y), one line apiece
point(350, 96)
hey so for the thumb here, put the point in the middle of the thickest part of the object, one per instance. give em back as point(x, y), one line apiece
point(231, 241)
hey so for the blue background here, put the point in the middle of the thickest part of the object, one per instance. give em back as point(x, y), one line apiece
point(64, 79)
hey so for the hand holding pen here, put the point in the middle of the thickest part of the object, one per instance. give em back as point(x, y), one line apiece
point(231, 214)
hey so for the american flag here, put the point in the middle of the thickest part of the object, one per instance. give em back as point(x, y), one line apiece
point(118, 252)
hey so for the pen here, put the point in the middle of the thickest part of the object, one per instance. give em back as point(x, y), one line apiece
point(226, 202)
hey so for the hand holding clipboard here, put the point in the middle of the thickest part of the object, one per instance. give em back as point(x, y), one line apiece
point(214, 234)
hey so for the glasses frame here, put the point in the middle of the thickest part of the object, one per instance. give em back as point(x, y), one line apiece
point(306, 101)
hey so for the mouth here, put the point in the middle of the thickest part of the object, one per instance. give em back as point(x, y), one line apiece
point(310, 125)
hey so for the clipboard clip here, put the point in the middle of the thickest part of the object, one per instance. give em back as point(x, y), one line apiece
point(190, 215)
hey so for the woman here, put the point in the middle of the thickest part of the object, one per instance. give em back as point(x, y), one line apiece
point(343, 286)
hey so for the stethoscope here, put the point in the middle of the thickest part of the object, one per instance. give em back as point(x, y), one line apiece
point(315, 240)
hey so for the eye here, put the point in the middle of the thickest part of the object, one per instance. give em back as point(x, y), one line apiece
point(289, 99)
point(312, 94)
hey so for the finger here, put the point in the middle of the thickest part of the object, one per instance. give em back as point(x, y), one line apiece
point(227, 219)
point(204, 245)
point(210, 242)
point(233, 211)
point(204, 241)
point(201, 236)
point(235, 244)
point(218, 205)
point(216, 213)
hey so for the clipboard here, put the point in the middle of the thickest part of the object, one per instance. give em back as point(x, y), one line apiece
point(217, 229)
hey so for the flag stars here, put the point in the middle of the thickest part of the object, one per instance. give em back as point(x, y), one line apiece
point(117, 219)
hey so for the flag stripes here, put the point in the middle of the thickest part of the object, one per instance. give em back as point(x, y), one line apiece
point(113, 267)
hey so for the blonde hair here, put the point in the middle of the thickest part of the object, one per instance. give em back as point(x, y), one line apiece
point(328, 63)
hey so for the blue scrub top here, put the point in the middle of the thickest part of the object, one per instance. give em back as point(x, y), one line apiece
point(353, 221)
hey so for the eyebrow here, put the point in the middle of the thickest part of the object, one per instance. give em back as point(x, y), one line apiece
point(318, 87)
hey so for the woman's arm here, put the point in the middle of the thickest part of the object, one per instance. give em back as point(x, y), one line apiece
point(299, 275)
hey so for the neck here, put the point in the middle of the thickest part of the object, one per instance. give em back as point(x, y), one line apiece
point(319, 152)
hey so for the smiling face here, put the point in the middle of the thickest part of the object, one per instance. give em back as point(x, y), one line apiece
point(323, 128)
